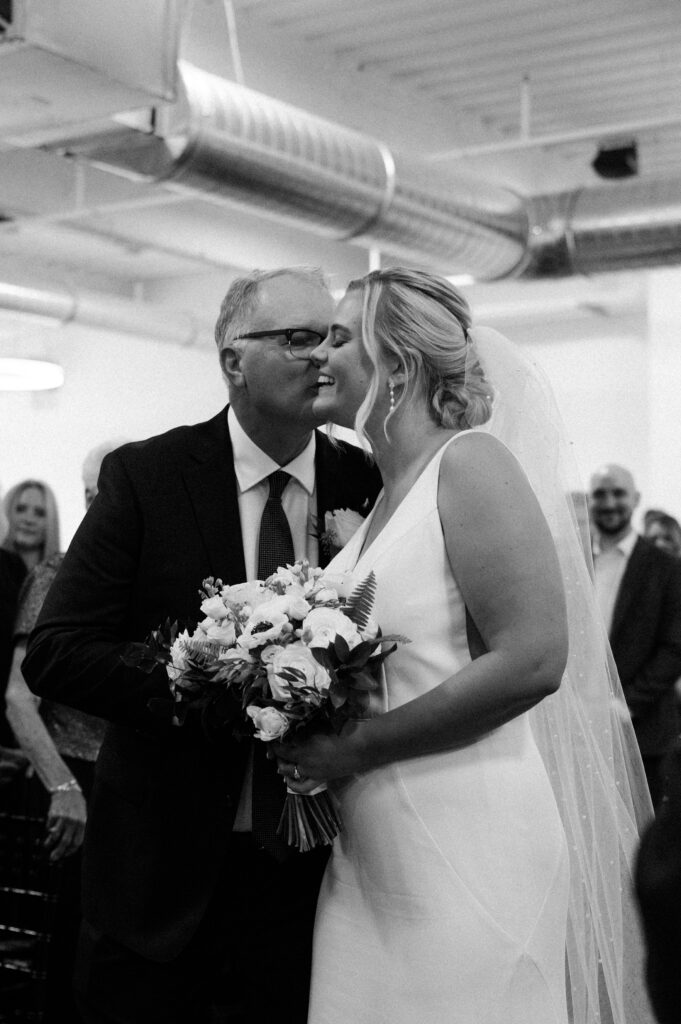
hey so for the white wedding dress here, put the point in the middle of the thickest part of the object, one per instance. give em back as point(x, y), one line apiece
point(445, 899)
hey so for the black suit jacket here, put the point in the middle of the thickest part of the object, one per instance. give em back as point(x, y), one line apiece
point(164, 799)
point(658, 887)
point(646, 642)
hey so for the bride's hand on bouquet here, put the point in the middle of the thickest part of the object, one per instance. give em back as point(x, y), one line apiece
point(319, 758)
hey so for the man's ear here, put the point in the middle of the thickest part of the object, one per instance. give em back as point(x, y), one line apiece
point(230, 361)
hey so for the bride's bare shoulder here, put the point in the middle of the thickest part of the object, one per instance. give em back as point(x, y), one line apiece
point(478, 469)
point(478, 450)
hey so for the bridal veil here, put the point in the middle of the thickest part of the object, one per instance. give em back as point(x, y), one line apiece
point(583, 731)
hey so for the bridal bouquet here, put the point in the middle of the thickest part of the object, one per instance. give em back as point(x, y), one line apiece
point(299, 650)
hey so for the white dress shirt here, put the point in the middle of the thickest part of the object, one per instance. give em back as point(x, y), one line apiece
point(609, 566)
point(252, 468)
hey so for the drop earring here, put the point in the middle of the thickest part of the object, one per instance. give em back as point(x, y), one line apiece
point(391, 389)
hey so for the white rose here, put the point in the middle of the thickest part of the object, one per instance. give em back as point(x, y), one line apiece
point(269, 723)
point(341, 524)
point(251, 593)
point(223, 633)
point(214, 608)
point(299, 658)
point(269, 653)
point(322, 625)
point(267, 623)
point(292, 604)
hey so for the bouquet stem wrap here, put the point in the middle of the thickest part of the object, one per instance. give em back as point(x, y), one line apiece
point(309, 819)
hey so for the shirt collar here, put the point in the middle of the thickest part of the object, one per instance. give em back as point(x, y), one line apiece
point(252, 465)
point(625, 545)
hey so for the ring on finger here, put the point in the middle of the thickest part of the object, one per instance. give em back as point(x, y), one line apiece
point(295, 774)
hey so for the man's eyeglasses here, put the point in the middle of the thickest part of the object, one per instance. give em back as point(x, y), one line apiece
point(300, 340)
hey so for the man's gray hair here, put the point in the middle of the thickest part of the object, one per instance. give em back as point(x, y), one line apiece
point(242, 296)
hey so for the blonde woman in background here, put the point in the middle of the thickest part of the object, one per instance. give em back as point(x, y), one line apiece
point(31, 510)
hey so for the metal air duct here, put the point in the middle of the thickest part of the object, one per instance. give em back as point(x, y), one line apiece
point(232, 144)
point(59, 306)
point(620, 227)
point(226, 143)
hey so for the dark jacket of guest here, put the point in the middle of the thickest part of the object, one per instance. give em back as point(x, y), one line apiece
point(164, 799)
point(658, 887)
point(646, 642)
point(12, 573)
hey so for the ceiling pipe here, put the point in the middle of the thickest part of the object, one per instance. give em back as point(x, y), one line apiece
point(229, 144)
point(61, 307)
point(624, 227)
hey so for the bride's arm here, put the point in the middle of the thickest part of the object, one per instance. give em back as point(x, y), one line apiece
point(504, 561)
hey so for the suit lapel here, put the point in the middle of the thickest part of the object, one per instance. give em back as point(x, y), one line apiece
point(629, 586)
point(211, 484)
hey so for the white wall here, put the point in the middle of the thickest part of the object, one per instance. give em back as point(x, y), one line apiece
point(599, 376)
point(116, 385)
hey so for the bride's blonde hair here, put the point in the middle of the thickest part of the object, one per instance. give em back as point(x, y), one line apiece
point(422, 321)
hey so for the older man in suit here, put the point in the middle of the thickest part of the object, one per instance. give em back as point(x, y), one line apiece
point(639, 591)
point(184, 877)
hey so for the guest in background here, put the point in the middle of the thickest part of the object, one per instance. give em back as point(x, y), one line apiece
point(31, 510)
point(92, 464)
point(62, 745)
point(12, 573)
point(664, 531)
point(639, 592)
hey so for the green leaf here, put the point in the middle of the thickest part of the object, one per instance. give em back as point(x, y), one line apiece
point(359, 655)
point(340, 646)
point(323, 656)
point(338, 694)
point(361, 601)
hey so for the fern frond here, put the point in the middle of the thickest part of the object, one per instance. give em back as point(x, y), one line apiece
point(361, 601)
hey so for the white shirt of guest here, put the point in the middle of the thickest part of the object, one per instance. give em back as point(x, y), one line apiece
point(252, 468)
point(609, 566)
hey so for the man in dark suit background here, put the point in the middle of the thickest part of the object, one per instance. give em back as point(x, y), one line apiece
point(639, 591)
point(177, 883)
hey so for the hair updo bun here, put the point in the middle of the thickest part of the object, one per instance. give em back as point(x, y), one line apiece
point(462, 403)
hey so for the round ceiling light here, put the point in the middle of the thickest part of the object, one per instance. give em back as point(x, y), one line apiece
point(29, 375)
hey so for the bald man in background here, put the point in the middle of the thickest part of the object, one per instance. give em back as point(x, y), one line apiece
point(639, 592)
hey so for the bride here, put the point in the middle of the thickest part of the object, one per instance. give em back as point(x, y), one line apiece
point(491, 809)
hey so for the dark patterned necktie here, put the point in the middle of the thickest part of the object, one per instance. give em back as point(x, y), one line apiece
point(275, 545)
point(275, 548)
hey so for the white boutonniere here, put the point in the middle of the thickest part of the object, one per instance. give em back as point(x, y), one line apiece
point(339, 527)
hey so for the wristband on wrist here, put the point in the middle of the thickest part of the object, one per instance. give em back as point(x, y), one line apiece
point(70, 786)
